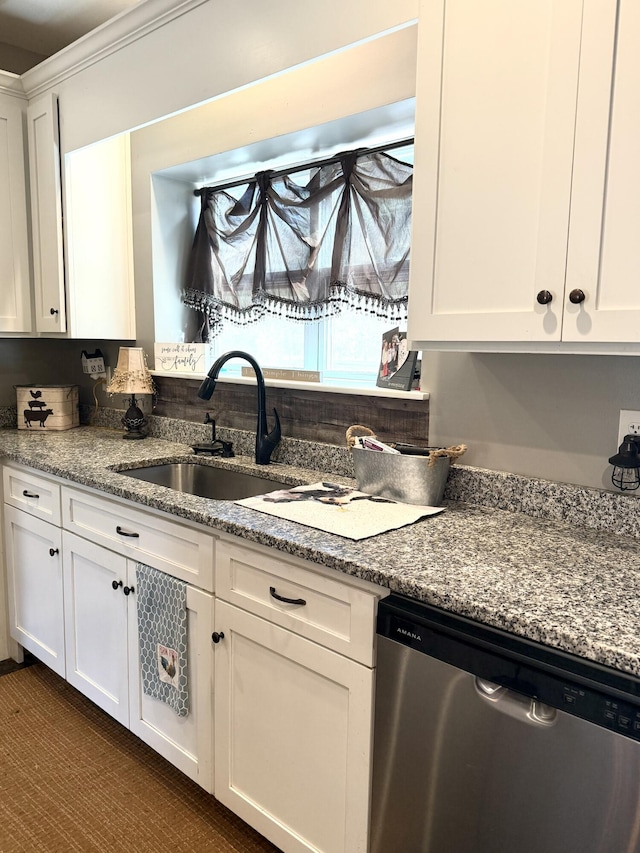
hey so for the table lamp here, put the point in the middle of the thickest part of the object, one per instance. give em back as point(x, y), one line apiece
point(132, 377)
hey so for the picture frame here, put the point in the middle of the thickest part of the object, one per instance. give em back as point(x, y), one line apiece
point(397, 362)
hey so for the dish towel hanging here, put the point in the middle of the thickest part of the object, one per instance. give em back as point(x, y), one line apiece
point(162, 636)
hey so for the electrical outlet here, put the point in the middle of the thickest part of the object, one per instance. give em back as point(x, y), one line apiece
point(629, 424)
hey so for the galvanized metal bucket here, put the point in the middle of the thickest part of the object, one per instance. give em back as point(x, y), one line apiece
point(401, 477)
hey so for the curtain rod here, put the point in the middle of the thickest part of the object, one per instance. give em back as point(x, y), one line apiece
point(313, 165)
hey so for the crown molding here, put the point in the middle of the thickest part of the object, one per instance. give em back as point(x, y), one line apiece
point(124, 29)
point(11, 84)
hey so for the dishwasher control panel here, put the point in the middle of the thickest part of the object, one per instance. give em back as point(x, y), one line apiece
point(598, 694)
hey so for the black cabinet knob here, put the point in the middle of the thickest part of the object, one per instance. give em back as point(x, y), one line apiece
point(128, 589)
point(544, 297)
point(577, 296)
point(216, 637)
point(53, 311)
point(53, 551)
point(116, 584)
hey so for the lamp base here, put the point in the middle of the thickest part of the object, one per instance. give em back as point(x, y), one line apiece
point(134, 422)
point(134, 434)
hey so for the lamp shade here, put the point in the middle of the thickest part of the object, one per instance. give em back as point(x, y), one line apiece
point(131, 375)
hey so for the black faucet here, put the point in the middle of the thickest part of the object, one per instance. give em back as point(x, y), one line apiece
point(265, 441)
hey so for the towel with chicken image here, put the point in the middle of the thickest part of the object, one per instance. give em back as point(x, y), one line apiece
point(162, 637)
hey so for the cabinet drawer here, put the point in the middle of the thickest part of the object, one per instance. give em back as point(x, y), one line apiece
point(337, 614)
point(32, 492)
point(179, 550)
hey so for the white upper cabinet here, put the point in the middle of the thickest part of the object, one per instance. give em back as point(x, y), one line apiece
point(46, 214)
point(506, 248)
point(93, 297)
point(98, 235)
point(604, 235)
point(15, 282)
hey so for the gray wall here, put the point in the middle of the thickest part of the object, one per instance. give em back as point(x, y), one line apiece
point(549, 416)
point(50, 362)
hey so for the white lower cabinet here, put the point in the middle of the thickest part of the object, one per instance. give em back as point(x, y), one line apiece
point(96, 625)
point(293, 716)
point(282, 689)
point(293, 735)
point(72, 603)
point(35, 586)
point(101, 631)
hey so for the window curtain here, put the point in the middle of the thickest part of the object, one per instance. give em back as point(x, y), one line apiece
point(303, 243)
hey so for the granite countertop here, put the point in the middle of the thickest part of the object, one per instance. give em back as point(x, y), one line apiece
point(570, 587)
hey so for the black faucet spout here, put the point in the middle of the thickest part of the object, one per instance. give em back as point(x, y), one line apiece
point(266, 442)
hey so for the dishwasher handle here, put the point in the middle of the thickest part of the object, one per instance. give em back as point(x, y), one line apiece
point(524, 708)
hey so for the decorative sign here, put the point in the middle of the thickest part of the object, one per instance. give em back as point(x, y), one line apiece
point(183, 358)
point(289, 375)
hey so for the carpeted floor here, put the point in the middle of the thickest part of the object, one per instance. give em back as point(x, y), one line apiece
point(73, 780)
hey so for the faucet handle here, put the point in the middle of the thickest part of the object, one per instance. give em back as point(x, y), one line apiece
point(266, 441)
point(276, 433)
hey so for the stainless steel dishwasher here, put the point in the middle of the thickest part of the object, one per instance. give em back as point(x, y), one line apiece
point(488, 743)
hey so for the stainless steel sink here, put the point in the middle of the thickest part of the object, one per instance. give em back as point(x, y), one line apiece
point(205, 481)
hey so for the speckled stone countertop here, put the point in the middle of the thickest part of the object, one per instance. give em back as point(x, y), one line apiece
point(568, 586)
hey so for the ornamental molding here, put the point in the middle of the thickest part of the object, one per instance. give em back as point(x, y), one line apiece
point(110, 37)
point(11, 84)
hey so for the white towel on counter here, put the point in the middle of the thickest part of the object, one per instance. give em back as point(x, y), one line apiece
point(162, 637)
point(339, 509)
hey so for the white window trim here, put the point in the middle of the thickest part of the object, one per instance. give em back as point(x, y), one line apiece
point(306, 386)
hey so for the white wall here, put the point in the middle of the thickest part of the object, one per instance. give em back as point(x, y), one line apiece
point(370, 75)
point(212, 49)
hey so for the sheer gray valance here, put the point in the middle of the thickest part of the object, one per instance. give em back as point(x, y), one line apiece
point(301, 244)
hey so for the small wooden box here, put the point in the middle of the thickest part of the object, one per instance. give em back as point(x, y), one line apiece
point(50, 407)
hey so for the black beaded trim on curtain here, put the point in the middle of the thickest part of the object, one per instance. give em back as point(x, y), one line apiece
point(305, 242)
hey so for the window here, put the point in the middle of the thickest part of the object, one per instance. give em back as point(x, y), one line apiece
point(344, 347)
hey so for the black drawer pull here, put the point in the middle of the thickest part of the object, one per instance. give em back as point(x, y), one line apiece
point(116, 584)
point(53, 552)
point(275, 595)
point(30, 495)
point(124, 533)
point(128, 589)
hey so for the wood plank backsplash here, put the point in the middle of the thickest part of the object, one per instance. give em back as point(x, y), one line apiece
point(310, 415)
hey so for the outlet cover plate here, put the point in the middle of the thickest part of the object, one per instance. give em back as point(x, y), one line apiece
point(629, 424)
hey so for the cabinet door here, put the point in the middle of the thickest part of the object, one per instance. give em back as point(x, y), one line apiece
point(187, 742)
point(35, 586)
point(495, 111)
point(15, 283)
point(604, 246)
point(293, 735)
point(46, 213)
point(96, 624)
point(98, 235)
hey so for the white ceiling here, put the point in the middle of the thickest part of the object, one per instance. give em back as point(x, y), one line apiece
point(32, 30)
